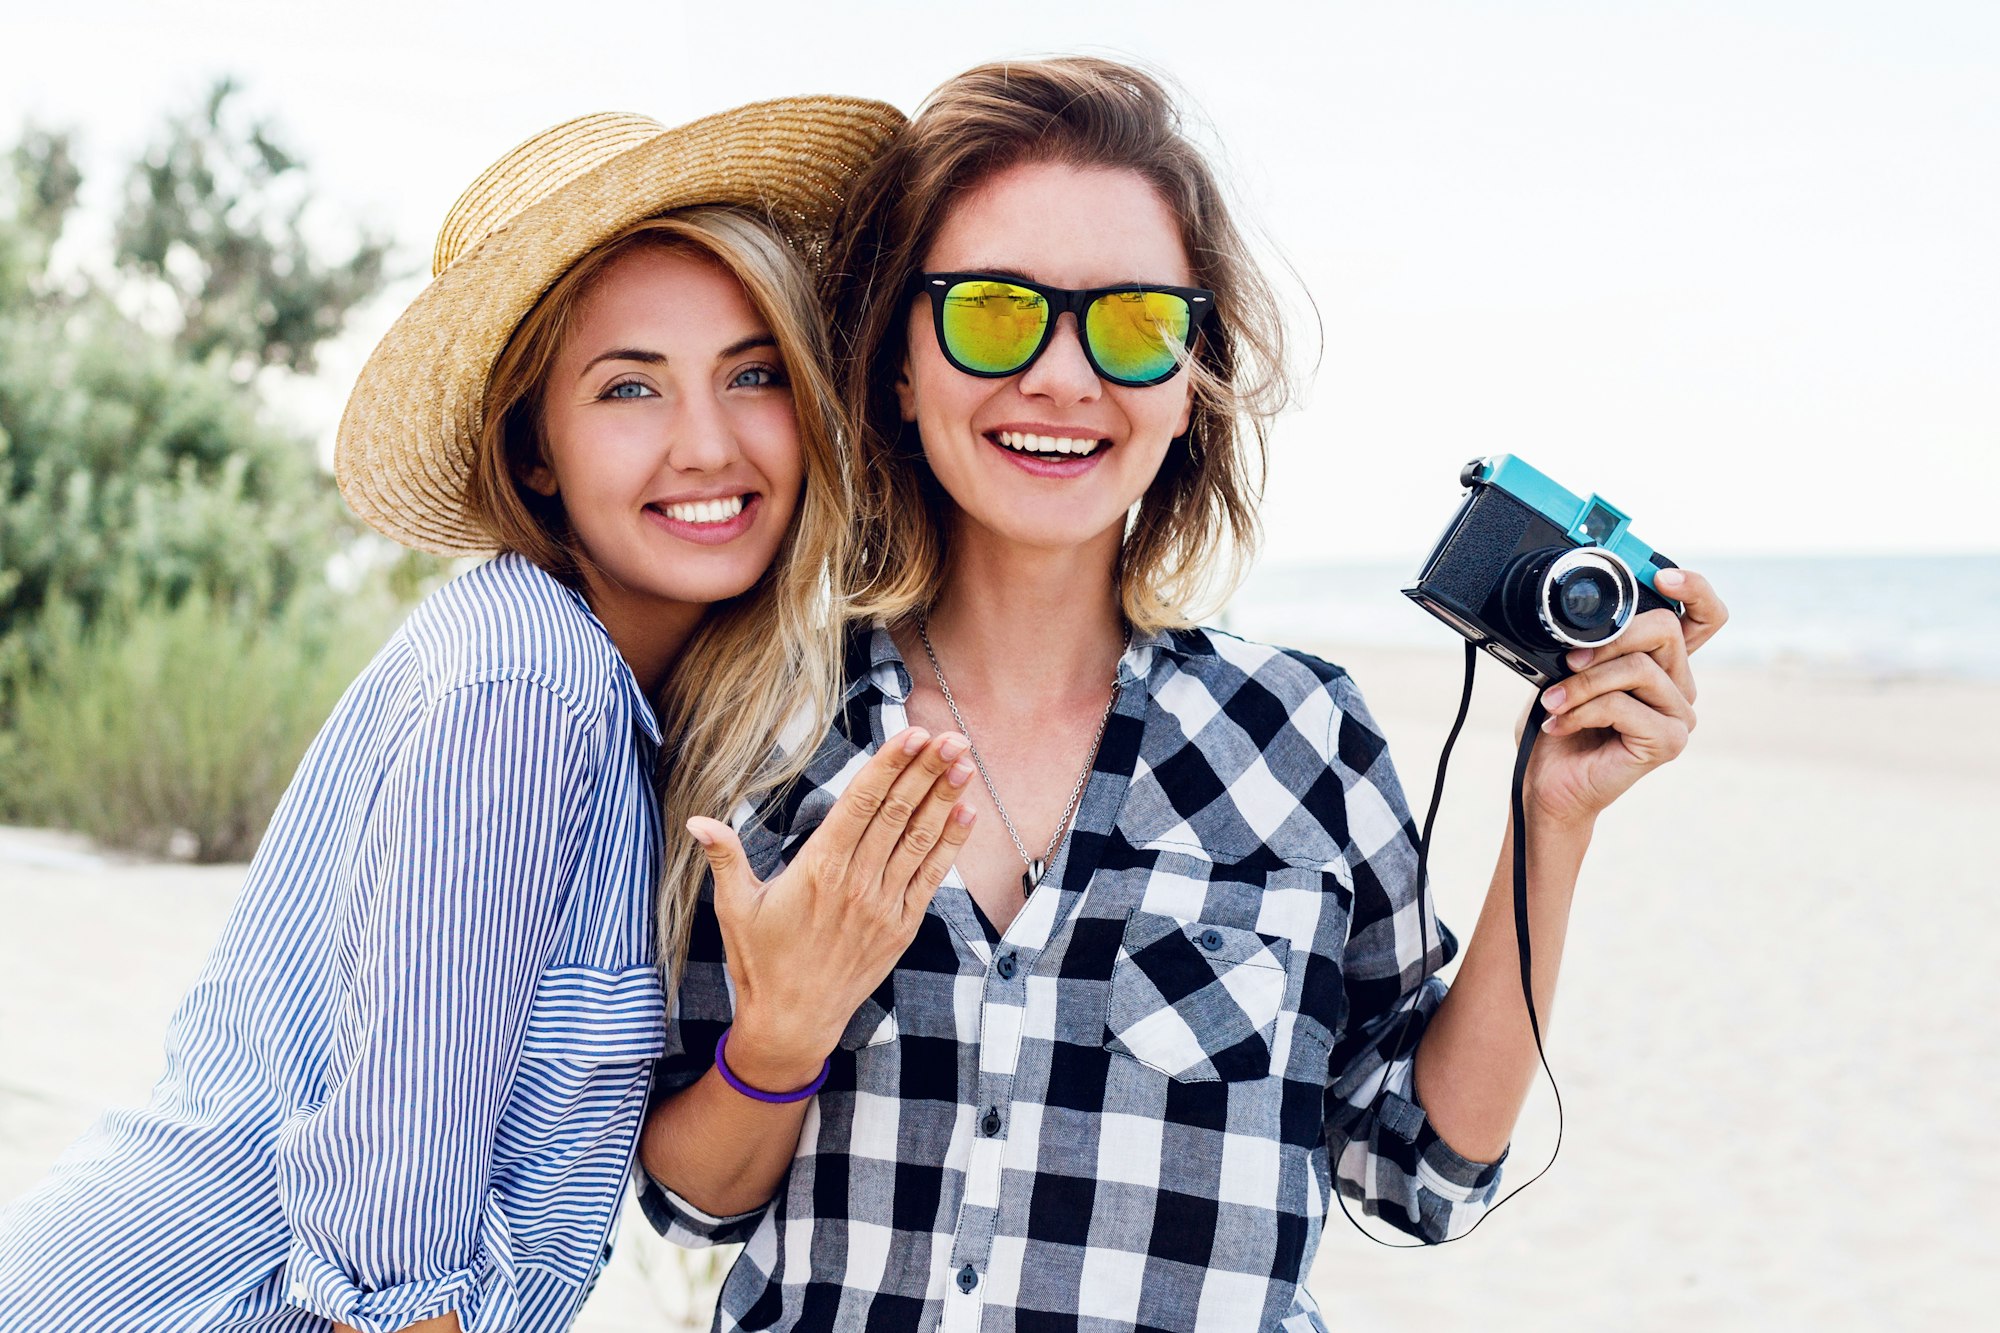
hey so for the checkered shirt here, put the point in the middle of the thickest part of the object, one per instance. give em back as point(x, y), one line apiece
point(1129, 1112)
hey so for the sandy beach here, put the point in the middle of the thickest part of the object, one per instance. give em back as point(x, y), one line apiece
point(1774, 1040)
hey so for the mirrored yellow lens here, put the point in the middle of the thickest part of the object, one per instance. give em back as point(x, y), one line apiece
point(993, 327)
point(1137, 335)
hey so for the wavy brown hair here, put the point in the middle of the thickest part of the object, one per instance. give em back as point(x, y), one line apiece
point(761, 663)
point(1195, 528)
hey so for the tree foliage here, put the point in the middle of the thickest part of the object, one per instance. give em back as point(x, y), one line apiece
point(138, 467)
point(216, 214)
point(129, 475)
point(164, 609)
point(47, 180)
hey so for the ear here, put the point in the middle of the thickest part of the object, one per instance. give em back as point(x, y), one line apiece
point(906, 394)
point(540, 478)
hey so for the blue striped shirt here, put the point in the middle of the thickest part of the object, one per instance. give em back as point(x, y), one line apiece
point(410, 1077)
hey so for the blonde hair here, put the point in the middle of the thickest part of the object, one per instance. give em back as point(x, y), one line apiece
point(1194, 530)
point(759, 664)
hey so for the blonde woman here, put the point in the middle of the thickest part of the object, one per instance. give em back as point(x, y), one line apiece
point(405, 1089)
point(1173, 994)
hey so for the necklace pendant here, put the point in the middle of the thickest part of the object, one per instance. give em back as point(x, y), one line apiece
point(1032, 876)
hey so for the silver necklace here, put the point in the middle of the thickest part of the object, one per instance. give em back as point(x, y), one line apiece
point(1036, 866)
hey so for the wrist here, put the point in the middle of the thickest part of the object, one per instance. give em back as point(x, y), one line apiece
point(1559, 835)
point(771, 1059)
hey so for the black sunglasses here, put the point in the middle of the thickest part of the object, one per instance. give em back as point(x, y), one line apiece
point(994, 325)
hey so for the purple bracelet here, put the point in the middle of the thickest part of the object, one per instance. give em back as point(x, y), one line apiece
point(758, 1094)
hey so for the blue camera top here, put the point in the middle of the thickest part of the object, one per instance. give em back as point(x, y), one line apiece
point(1591, 522)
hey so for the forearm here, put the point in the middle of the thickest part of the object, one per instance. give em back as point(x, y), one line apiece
point(444, 1323)
point(721, 1151)
point(1477, 1059)
point(803, 951)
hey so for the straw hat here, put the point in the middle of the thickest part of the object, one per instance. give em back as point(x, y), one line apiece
point(405, 449)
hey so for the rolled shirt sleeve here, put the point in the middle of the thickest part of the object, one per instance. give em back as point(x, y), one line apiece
point(1386, 1155)
point(461, 876)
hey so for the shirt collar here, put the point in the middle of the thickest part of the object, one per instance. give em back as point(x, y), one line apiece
point(642, 707)
point(874, 662)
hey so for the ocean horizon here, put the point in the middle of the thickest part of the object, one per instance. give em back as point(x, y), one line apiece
point(1880, 616)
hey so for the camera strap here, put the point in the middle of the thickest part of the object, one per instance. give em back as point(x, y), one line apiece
point(1537, 714)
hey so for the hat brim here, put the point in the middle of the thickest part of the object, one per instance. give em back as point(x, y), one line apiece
point(404, 453)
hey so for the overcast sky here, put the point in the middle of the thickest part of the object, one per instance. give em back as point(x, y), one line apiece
point(1731, 265)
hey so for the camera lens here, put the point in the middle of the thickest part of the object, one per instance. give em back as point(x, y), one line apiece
point(1587, 597)
point(1569, 597)
point(1583, 601)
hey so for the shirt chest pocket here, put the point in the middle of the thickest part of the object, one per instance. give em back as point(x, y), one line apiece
point(1195, 1001)
point(597, 1016)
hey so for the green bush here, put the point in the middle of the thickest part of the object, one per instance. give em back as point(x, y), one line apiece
point(128, 475)
point(138, 462)
point(175, 729)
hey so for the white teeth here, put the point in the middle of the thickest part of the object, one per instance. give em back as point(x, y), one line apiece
point(1024, 443)
point(705, 511)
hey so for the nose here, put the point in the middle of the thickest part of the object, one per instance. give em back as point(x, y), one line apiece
point(701, 437)
point(1062, 372)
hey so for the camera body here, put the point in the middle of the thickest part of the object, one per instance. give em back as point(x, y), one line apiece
point(1528, 571)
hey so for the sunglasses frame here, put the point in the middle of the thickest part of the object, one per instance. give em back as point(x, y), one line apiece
point(1061, 301)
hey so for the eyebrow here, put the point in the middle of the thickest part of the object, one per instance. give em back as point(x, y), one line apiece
point(638, 354)
point(742, 345)
point(1008, 271)
point(999, 271)
point(651, 358)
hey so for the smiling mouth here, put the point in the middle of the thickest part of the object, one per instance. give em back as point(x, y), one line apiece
point(1046, 446)
point(701, 512)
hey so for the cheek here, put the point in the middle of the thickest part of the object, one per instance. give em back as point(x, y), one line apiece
point(932, 391)
point(598, 454)
point(771, 442)
point(1162, 411)
point(946, 400)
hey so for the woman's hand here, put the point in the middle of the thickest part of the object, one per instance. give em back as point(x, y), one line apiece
point(1628, 709)
point(806, 948)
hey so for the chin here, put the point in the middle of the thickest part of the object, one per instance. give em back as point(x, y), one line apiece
point(1053, 527)
point(707, 591)
point(676, 580)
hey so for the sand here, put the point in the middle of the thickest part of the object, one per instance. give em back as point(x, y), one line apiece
point(1774, 1038)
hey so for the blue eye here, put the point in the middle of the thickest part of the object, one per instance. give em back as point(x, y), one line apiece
point(628, 389)
point(758, 377)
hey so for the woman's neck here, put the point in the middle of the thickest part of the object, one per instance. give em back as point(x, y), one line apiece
point(1018, 622)
point(648, 632)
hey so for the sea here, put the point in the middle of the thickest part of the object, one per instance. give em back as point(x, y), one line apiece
point(1876, 616)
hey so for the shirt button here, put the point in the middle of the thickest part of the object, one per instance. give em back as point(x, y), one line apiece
point(1007, 966)
point(968, 1278)
point(989, 1124)
point(1210, 940)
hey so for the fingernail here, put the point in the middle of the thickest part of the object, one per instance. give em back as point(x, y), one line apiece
point(1555, 696)
point(951, 749)
point(963, 814)
point(916, 740)
point(1549, 725)
point(1579, 658)
point(1669, 578)
point(702, 836)
point(960, 774)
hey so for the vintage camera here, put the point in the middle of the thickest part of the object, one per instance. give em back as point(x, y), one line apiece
point(1528, 572)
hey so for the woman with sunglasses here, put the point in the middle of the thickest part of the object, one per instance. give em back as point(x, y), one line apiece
point(405, 1089)
point(1174, 993)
